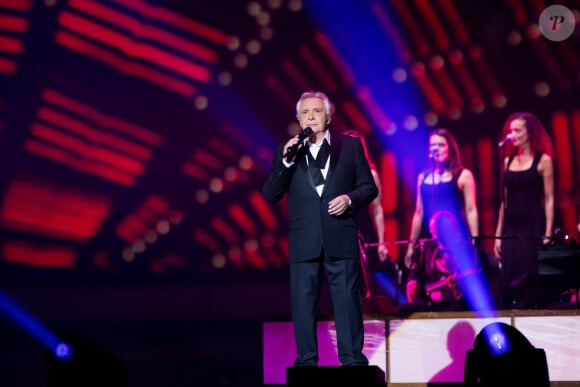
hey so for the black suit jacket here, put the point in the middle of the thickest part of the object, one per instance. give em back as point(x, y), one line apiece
point(311, 227)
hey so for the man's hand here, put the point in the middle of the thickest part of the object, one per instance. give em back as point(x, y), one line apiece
point(338, 205)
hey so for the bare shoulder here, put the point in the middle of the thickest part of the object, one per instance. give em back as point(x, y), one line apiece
point(466, 173)
point(420, 178)
point(465, 177)
point(546, 163)
point(546, 158)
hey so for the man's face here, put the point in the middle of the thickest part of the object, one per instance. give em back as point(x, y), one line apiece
point(312, 114)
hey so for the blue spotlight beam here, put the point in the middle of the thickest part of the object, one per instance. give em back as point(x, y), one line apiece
point(371, 55)
point(452, 233)
point(391, 288)
point(29, 324)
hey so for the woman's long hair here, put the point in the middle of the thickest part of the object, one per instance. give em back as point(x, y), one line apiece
point(538, 136)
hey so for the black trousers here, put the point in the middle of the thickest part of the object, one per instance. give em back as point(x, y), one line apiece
point(306, 280)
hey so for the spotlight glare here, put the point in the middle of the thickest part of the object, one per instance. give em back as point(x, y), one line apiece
point(253, 47)
point(163, 227)
point(399, 75)
point(246, 163)
point(139, 246)
point(175, 217)
point(542, 89)
point(128, 255)
point(218, 261)
point(266, 33)
point(225, 78)
point(436, 62)
point(200, 102)
point(202, 196)
point(295, 5)
point(454, 113)
point(150, 237)
point(499, 100)
point(241, 61)
point(63, 351)
point(431, 119)
point(231, 174)
point(410, 122)
point(263, 19)
point(274, 4)
point(254, 8)
point(498, 343)
point(251, 246)
point(514, 38)
point(234, 43)
point(216, 185)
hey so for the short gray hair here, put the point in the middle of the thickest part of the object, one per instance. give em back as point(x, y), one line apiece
point(314, 94)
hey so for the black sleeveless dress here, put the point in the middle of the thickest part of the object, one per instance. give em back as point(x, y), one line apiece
point(524, 224)
point(441, 196)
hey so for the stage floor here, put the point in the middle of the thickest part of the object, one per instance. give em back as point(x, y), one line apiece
point(430, 347)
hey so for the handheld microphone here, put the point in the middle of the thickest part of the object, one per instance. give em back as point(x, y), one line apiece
point(508, 137)
point(291, 151)
point(432, 153)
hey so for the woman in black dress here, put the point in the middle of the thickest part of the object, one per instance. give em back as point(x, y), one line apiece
point(445, 186)
point(526, 213)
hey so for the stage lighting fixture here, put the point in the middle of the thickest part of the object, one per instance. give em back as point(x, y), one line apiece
point(78, 361)
point(503, 356)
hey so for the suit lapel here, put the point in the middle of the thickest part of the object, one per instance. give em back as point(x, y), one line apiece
point(335, 146)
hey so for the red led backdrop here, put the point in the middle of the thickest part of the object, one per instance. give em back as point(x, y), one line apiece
point(135, 135)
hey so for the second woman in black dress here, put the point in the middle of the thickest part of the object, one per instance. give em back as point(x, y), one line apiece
point(526, 213)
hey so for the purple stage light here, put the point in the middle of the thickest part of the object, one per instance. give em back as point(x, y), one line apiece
point(63, 351)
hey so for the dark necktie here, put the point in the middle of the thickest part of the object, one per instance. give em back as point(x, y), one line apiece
point(315, 166)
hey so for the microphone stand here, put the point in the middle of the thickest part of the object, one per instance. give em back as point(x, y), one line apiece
point(420, 243)
point(433, 169)
point(503, 262)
